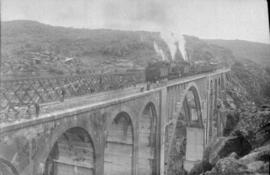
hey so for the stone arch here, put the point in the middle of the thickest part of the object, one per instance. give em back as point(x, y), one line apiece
point(53, 134)
point(183, 129)
point(119, 149)
point(148, 140)
point(72, 152)
point(6, 168)
point(151, 102)
point(192, 87)
point(122, 109)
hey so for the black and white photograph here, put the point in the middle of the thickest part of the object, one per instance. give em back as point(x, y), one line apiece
point(134, 87)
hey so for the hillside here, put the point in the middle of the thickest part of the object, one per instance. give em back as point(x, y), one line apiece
point(251, 68)
point(31, 48)
point(256, 52)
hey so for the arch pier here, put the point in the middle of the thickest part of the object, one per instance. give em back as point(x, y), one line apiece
point(119, 149)
point(148, 141)
point(187, 132)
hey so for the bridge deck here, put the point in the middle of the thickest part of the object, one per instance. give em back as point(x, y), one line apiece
point(51, 111)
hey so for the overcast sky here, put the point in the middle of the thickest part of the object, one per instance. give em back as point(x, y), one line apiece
point(227, 19)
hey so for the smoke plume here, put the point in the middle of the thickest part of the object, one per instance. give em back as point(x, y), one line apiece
point(160, 52)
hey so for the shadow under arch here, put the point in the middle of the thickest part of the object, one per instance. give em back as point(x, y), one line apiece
point(72, 152)
point(119, 149)
point(193, 92)
point(7, 168)
point(148, 163)
point(187, 139)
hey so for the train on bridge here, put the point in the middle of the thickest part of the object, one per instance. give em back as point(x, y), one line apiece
point(172, 70)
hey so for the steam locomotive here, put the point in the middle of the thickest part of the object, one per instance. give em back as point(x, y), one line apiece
point(171, 70)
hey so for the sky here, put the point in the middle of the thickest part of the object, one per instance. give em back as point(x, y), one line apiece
point(223, 19)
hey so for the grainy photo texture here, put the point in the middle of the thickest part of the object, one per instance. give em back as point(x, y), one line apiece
point(134, 87)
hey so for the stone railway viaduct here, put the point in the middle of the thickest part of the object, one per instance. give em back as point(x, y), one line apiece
point(160, 131)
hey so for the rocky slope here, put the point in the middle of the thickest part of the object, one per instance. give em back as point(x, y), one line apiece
point(234, 155)
point(244, 147)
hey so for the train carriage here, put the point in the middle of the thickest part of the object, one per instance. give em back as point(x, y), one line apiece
point(164, 70)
